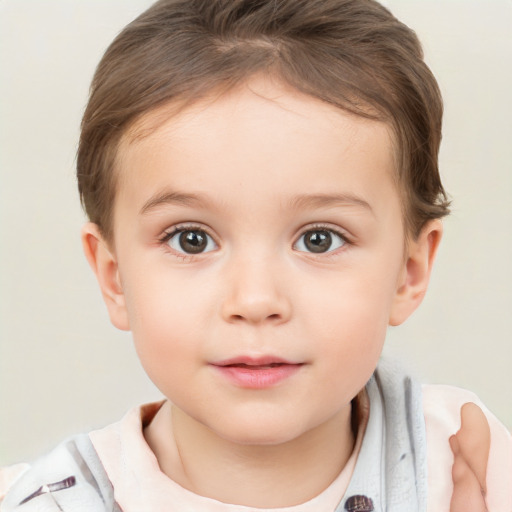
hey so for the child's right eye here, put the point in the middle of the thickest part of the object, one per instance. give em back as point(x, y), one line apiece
point(190, 241)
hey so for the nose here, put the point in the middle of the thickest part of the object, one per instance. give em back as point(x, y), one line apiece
point(256, 293)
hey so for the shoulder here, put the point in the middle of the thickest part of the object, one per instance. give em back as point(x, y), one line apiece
point(9, 475)
point(442, 406)
point(93, 460)
point(68, 478)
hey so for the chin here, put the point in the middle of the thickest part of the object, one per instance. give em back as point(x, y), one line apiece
point(259, 431)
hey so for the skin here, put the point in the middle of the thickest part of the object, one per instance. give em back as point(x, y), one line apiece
point(257, 169)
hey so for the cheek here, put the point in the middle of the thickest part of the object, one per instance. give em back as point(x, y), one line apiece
point(357, 300)
point(165, 322)
point(349, 316)
point(159, 299)
point(351, 346)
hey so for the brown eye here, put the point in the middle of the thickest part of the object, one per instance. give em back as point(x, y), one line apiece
point(319, 241)
point(191, 241)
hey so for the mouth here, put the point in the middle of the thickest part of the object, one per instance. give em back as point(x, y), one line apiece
point(255, 363)
point(255, 366)
point(257, 373)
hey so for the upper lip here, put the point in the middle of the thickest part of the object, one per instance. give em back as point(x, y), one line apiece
point(253, 361)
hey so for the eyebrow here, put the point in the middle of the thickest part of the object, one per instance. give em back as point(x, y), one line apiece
point(298, 202)
point(172, 197)
point(322, 200)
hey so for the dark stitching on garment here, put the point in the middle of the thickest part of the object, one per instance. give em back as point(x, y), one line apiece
point(49, 488)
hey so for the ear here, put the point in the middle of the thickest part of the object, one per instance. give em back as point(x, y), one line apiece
point(103, 262)
point(415, 274)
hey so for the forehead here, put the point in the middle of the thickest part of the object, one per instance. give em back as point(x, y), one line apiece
point(263, 135)
point(257, 101)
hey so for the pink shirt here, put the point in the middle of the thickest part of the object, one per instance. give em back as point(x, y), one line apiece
point(140, 484)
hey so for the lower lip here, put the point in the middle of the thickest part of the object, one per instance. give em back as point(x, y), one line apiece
point(258, 378)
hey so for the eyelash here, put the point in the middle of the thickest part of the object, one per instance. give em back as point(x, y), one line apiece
point(323, 227)
point(168, 234)
point(175, 230)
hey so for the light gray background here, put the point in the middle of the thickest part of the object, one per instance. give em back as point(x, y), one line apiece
point(64, 369)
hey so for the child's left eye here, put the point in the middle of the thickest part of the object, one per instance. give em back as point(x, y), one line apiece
point(190, 241)
point(319, 241)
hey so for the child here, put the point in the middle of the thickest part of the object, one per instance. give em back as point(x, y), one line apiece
point(261, 180)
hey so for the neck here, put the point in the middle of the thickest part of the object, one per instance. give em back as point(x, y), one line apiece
point(257, 476)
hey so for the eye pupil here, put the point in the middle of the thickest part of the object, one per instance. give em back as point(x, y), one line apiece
point(193, 242)
point(318, 241)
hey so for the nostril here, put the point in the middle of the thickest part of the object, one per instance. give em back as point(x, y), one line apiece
point(274, 316)
point(255, 308)
point(236, 318)
point(253, 318)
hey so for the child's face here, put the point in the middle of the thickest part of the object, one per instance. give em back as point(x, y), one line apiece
point(261, 228)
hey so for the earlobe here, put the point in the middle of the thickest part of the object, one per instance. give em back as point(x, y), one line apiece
point(415, 275)
point(104, 265)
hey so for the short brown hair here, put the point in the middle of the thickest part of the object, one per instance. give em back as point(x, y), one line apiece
point(353, 54)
